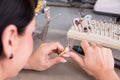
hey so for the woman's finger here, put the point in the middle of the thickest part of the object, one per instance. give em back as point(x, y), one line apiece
point(76, 58)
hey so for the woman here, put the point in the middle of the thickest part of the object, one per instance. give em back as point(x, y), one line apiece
point(17, 23)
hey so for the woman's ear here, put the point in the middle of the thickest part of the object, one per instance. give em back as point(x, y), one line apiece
point(9, 38)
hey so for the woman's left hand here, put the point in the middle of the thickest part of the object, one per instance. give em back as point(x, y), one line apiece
point(40, 59)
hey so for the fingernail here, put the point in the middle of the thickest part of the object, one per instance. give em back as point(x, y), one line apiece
point(63, 60)
point(66, 55)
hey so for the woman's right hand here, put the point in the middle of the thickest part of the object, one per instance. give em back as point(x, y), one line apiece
point(98, 61)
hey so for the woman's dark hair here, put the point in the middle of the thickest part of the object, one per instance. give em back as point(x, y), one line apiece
point(16, 12)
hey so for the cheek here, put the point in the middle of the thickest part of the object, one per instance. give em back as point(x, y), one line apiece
point(27, 47)
point(24, 50)
point(29, 44)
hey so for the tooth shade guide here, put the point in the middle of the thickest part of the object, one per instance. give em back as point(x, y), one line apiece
point(102, 32)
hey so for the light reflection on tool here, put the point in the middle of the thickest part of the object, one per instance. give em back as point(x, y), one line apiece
point(42, 8)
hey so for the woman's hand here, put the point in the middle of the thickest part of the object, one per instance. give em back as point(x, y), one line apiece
point(40, 59)
point(98, 61)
